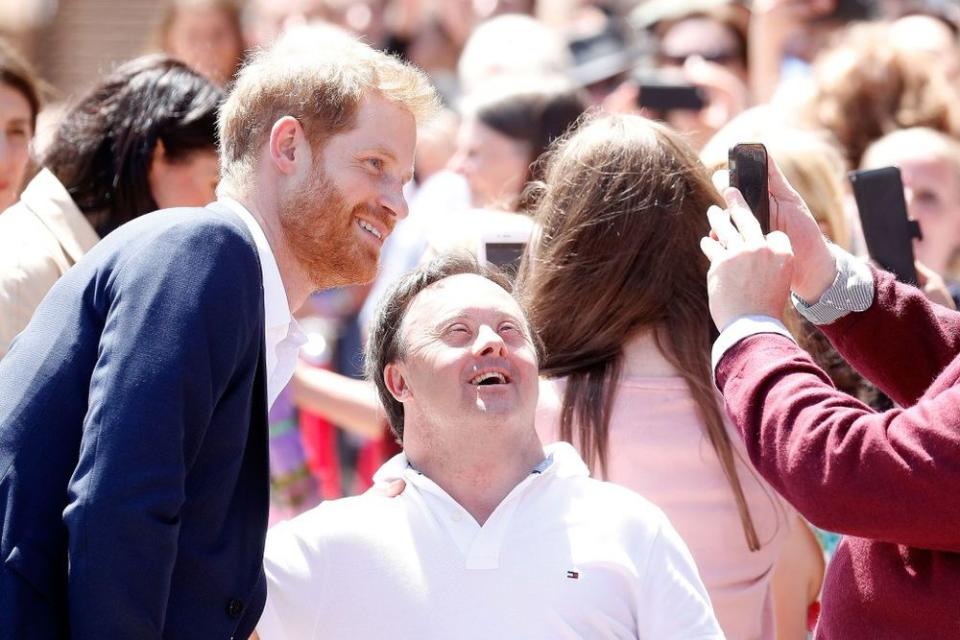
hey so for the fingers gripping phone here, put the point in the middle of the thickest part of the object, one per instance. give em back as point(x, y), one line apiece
point(886, 226)
point(748, 172)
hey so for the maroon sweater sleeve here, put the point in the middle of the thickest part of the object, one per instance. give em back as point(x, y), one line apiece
point(885, 476)
point(901, 343)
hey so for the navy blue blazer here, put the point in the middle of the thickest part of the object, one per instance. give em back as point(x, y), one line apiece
point(133, 440)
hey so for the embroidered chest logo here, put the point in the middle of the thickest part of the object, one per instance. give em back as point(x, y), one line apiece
point(573, 575)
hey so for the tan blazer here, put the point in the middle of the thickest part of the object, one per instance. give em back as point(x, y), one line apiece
point(41, 236)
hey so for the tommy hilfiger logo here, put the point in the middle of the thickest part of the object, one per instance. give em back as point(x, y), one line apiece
point(573, 575)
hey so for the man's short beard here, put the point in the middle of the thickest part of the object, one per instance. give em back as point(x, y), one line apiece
point(314, 221)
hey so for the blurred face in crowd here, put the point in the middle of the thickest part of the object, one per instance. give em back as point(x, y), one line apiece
point(184, 182)
point(205, 39)
point(468, 363)
point(338, 217)
point(15, 135)
point(494, 165)
point(704, 38)
point(706, 53)
point(931, 182)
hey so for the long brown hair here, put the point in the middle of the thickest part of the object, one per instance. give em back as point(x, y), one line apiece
point(622, 209)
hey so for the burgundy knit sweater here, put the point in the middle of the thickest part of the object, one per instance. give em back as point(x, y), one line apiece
point(889, 481)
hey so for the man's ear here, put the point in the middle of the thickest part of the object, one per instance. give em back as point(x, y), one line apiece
point(284, 146)
point(396, 383)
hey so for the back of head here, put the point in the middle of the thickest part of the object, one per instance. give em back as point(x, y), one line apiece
point(16, 73)
point(102, 150)
point(318, 75)
point(867, 88)
point(622, 211)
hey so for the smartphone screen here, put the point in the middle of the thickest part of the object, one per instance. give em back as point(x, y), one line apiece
point(886, 226)
point(748, 173)
point(506, 255)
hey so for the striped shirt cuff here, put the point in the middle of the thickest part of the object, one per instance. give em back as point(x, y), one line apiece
point(851, 291)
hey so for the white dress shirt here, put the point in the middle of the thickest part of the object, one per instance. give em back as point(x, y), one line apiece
point(282, 334)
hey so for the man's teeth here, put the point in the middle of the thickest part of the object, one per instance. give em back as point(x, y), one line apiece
point(367, 227)
point(490, 375)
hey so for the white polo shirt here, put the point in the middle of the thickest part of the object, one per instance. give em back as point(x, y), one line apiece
point(563, 556)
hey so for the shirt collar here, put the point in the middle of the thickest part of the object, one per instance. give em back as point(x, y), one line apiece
point(275, 305)
point(560, 459)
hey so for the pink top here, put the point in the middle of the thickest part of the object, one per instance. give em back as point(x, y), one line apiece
point(658, 448)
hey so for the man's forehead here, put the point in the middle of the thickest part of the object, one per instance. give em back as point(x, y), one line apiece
point(462, 293)
point(387, 122)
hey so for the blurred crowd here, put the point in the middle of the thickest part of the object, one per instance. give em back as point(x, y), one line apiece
point(828, 86)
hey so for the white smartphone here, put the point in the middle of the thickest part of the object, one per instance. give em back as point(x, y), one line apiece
point(504, 248)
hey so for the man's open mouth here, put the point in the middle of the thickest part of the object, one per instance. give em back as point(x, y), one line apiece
point(490, 378)
point(369, 228)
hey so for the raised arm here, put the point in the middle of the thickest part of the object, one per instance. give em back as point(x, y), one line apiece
point(884, 476)
point(349, 403)
point(919, 339)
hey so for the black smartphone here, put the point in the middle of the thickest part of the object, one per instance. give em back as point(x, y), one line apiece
point(883, 215)
point(663, 95)
point(748, 172)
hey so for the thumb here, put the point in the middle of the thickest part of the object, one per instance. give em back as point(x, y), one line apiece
point(779, 242)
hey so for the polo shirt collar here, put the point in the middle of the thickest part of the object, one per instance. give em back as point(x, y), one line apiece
point(560, 460)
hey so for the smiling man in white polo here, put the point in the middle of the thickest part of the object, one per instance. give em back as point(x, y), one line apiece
point(494, 536)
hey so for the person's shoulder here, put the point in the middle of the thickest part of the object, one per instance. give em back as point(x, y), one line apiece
point(205, 223)
point(198, 239)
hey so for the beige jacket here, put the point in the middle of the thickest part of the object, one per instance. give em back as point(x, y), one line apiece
point(41, 236)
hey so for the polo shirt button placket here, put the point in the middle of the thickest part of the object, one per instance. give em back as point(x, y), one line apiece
point(234, 608)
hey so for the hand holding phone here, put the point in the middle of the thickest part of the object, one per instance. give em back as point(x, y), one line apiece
point(748, 173)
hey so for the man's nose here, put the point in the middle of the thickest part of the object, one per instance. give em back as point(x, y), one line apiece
point(394, 201)
point(489, 342)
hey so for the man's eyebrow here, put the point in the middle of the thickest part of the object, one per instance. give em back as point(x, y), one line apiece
point(384, 152)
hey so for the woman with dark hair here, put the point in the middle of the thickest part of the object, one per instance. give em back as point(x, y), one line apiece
point(616, 288)
point(507, 124)
point(19, 106)
point(141, 140)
